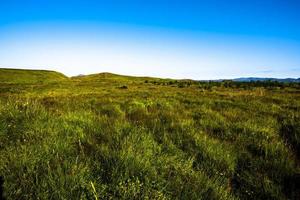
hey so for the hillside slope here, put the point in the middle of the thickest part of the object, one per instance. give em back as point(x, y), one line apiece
point(112, 77)
point(30, 76)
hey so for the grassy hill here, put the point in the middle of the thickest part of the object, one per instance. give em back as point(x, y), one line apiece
point(100, 77)
point(107, 136)
point(29, 76)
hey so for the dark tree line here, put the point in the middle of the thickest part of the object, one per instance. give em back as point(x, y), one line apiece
point(226, 83)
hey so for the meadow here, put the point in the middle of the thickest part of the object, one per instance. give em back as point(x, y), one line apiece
point(106, 136)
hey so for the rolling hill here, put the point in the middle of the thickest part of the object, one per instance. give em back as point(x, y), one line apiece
point(30, 76)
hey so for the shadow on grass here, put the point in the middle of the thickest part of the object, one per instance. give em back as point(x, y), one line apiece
point(1, 188)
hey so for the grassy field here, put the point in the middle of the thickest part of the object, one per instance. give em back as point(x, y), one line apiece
point(107, 136)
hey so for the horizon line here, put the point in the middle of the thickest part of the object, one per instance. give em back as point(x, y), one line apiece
point(138, 76)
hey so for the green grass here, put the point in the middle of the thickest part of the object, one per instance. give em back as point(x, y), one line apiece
point(18, 76)
point(107, 136)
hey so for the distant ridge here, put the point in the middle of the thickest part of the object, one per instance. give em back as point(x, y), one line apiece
point(283, 80)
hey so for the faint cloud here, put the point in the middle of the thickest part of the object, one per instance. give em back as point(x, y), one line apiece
point(267, 71)
point(295, 70)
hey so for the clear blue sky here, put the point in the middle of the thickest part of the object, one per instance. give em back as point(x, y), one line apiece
point(166, 38)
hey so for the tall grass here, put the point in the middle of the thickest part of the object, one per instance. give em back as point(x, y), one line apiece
point(89, 139)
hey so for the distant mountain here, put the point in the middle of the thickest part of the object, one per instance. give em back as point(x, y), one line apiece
point(284, 80)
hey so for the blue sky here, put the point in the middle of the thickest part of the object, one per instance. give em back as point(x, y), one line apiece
point(180, 39)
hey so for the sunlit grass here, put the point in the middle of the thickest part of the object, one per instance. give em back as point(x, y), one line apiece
point(91, 138)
